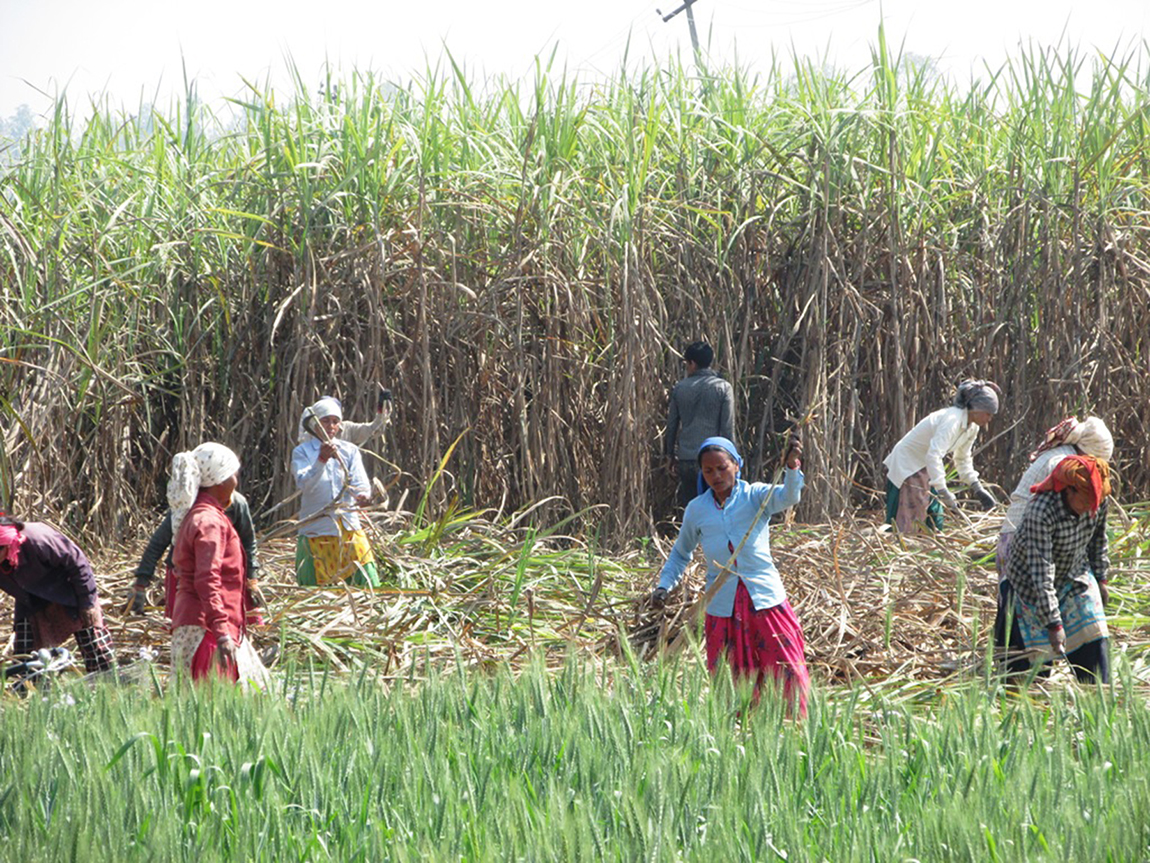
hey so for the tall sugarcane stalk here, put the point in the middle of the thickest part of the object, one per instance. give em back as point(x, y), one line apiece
point(532, 259)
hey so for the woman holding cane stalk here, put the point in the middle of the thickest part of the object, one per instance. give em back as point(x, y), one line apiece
point(329, 473)
point(748, 617)
point(209, 606)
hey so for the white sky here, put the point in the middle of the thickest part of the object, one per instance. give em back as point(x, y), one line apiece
point(132, 49)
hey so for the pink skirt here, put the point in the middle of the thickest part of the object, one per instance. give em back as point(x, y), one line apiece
point(760, 642)
point(204, 662)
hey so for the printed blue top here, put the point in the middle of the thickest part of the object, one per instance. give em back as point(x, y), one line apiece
point(720, 530)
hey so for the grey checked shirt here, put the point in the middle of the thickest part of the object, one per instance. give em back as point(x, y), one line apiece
point(1054, 546)
point(704, 404)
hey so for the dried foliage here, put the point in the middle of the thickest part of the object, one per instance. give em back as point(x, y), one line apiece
point(521, 264)
point(464, 590)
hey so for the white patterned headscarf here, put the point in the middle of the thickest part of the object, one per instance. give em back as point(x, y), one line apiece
point(1093, 438)
point(207, 465)
point(325, 407)
point(1090, 436)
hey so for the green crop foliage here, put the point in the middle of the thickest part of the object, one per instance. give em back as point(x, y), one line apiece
point(584, 763)
point(517, 259)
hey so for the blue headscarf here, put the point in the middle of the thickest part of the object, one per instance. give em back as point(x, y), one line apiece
point(727, 447)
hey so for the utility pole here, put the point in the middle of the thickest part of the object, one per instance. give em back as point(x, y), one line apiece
point(687, 4)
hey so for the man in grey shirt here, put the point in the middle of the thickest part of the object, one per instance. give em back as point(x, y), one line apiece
point(702, 405)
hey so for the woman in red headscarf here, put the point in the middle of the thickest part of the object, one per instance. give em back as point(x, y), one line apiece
point(55, 592)
point(1056, 561)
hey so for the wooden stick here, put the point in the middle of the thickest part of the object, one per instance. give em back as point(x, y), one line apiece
point(724, 573)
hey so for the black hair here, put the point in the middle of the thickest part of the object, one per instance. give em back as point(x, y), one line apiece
point(700, 354)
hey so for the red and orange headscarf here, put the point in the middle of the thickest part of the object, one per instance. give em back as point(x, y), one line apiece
point(1082, 472)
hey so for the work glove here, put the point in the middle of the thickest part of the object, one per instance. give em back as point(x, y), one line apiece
point(137, 599)
point(384, 398)
point(985, 498)
point(1057, 636)
point(255, 595)
point(659, 597)
point(383, 406)
point(948, 499)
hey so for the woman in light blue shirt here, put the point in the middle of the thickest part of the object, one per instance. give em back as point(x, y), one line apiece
point(748, 617)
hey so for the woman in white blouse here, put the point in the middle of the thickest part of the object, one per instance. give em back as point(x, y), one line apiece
point(916, 478)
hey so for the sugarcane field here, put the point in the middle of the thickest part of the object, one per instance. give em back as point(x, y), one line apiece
point(731, 455)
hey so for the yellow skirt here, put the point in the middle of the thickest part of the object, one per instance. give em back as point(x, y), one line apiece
point(324, 560)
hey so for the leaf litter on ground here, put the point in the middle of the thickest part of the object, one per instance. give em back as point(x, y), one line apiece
point(481, 592)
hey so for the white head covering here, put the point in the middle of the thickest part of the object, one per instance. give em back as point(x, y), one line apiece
point(207, 465)
point(325, 407)
point(1092, 438)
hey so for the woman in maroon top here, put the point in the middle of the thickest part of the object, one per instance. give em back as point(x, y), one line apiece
point(55, 592)
point(208, 611)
